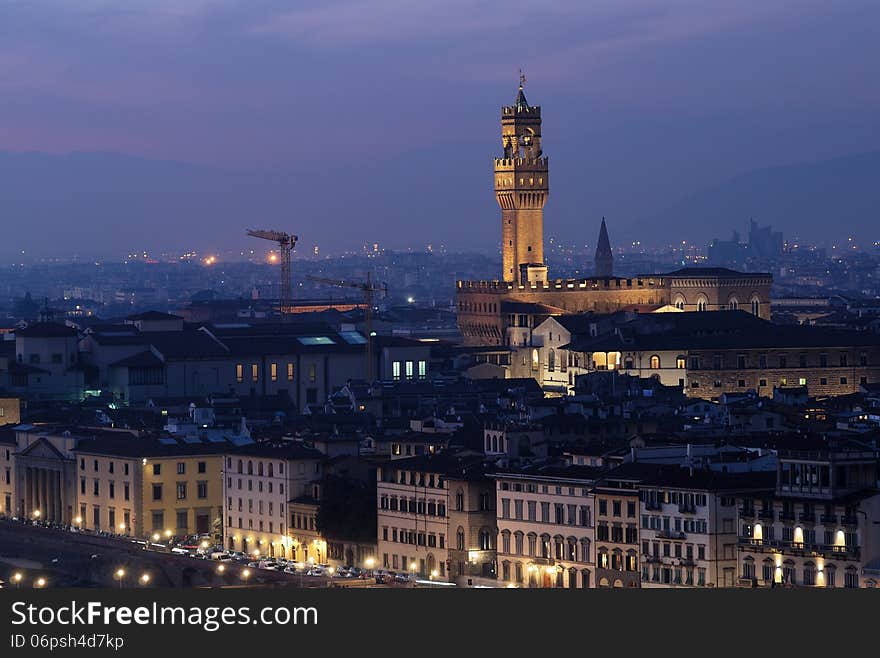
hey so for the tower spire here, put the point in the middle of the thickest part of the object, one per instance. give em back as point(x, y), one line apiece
point(604, 255)
point(521, 102)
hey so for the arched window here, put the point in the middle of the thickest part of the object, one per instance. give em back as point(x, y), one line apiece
point(680, 362)
point(518, 542)
point(250, 467)
point(505, 541)
point(536, 359)
point(260, 468)
point(459, 539)
point(679, 302)
point(756, 306)
point(485, 540)
point(551, 360)
point(239, 467)
point(655, 362)
point(271, 469)
point(459, 501)
point(585, 550)
point(733, 304)
point(702, 304)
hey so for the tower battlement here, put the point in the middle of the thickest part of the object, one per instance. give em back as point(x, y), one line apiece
point(527, 110)
point(519, 163)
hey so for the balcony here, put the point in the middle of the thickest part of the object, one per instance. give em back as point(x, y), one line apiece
point(766, 514)
point(828, 519)
point(798, 548)
point(786, 515)
point(670, 534)
point(807, 517)
point(747, 512)
point(849, 520)
point(653, 505)
point(851, 552)
point(687, 508)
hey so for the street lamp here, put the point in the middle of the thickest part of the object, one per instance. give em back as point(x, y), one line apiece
point(168, 534)
point(119, 575)
point(221, 568)
point(156, 536)
point(245, 574)
point(16, 578)
point(37, 513)
point(145, 579)
point(78, 521)
point(412, 568)
point(40, 583)
point(121, 527)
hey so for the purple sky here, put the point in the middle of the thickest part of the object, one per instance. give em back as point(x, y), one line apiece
point(647, 101)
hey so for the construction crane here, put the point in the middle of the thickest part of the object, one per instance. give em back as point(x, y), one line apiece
point(368, 288)
point(285, 244)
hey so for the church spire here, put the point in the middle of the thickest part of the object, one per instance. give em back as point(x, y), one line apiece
point(604, 255)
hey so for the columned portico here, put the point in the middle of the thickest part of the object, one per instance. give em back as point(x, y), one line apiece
point(44, 494)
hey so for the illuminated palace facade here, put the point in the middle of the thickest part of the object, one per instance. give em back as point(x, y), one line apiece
point(486, 309)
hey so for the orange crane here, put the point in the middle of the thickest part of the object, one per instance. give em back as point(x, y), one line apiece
point(285, 244)
point(368, 288)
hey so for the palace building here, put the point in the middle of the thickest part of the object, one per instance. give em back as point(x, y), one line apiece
point(522, 185)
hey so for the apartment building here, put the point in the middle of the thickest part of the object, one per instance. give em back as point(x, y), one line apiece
point(617, 529)
point(546, 534)
point(263, 484)
point(110, 488)
point(688, 524)
point(413, 521)
point(818, 527)
point(183, 488)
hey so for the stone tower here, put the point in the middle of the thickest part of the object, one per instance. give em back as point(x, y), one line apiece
point(521, 189)
point(604, 256)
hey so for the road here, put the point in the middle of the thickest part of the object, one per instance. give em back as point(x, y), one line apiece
point(70, 559)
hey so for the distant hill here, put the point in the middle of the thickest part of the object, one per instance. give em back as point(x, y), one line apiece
point(823, 201)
